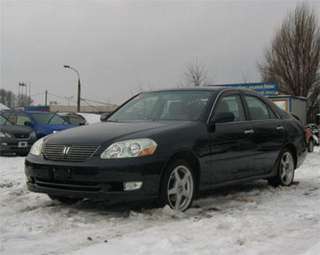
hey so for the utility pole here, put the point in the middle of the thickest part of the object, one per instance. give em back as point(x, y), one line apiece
point(46, 98)
point(79, 93)
point(79, 85)
point(30, 90)
point(21, 96)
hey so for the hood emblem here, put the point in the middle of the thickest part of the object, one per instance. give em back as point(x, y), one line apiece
point(66, 150)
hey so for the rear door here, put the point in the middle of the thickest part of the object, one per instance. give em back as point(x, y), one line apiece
point(268, 136)
point(231, 146)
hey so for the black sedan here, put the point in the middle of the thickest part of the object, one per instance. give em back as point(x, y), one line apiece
point(15, 139)
point(168, 146)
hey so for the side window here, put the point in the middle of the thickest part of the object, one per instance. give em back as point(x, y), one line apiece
point(272, 114)
point(56, 120)
point(3, 121)
point(12, 117)
point(231, 104)
point(258, 110)
point(21, 119)
point(75, 120)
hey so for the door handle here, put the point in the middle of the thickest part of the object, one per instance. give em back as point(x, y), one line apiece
point(279, 128)
point(248, 131)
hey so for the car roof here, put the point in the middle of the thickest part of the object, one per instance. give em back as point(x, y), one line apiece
point(215, 88)
point(38, 112)
point(22, 111)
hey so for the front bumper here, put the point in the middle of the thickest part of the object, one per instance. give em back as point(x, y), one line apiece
point(12, 145)
point(95, 178)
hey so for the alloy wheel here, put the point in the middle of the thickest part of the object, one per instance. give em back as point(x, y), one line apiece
point(180, 188)
point(286, 168)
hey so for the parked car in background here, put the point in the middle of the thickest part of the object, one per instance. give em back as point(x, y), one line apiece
point(91, 118)
point(315, 130)
point(80, 119)
point(168, 146)
point(43, 123)
point(73, 118)
point(309, 139)
point(104, 116)
point(15, 139)
point(3, 107)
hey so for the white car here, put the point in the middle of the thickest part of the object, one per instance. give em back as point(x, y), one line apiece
point(3, 107)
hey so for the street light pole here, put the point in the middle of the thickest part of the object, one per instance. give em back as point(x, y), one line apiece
point(22, 98)
point(79, 85)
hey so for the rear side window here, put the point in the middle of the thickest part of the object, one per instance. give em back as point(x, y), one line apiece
point(3, 121)
point(22, 119)
point(258, 110)
point(231, 104)
point(75, 120)
point(56, 120)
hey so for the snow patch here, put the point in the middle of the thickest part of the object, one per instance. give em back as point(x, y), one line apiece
point(248, 219)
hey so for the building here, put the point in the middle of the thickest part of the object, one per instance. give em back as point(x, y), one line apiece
point(84, 108)
point(292, 104)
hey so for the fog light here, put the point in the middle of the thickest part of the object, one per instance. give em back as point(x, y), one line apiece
point(30, 179)
point(127, 186)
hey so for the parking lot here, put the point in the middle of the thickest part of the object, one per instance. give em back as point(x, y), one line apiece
point(246, 219)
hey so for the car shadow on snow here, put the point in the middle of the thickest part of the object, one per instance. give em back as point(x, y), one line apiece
point(214, 200)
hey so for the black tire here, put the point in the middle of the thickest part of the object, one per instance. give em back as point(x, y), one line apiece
point(185, 187)
point(311, 146)
point(65, 200)
point(285, 174)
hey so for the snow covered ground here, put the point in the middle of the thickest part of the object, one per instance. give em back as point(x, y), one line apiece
point(246, 219)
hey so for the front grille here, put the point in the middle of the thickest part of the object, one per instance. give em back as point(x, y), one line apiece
point(21, 136)
point(74, 153)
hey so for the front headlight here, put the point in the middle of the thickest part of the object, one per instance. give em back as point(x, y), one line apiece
point(36, 148)
point(4, 134)
point(33, 135)
point(130, 149)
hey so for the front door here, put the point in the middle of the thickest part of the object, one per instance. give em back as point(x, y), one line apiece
point(231, 145)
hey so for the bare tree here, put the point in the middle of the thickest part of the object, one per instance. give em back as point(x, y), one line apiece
point(245, 77)
point(8, 98)
point(24, 100)
point(293, 60)
point(196, 74)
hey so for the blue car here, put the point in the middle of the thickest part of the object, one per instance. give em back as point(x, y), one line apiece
point(43, 123)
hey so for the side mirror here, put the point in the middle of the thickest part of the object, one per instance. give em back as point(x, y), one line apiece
point(28, 124)
point(104, 116)
point(221, 117)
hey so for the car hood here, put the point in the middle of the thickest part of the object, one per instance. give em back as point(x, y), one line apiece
point(48, 129)
point(15, 129)
point(107, 132)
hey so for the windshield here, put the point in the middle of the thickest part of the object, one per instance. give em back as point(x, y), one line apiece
point(4, 121)
point(48, 118)
point(164, 105)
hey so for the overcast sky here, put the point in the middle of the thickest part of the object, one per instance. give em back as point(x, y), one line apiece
point(120, 47)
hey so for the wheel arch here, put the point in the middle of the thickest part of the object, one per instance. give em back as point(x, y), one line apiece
point(292, 148)
point(191, 159)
